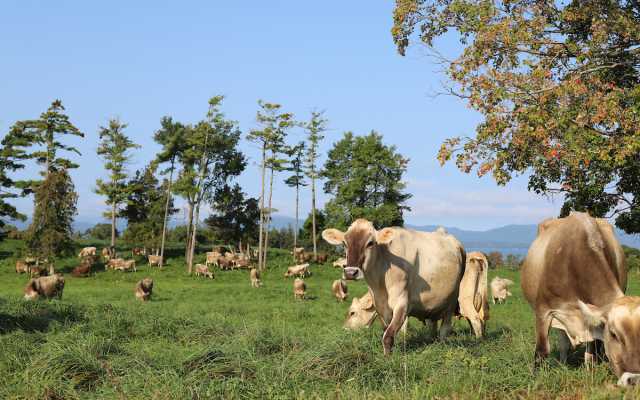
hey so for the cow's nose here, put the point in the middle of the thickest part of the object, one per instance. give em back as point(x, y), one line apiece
point(629, 379)
point(351, 273)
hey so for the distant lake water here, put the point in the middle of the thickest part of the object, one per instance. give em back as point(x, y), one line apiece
point(516, 251)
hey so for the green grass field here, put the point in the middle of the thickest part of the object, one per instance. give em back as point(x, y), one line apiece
point(201, 339)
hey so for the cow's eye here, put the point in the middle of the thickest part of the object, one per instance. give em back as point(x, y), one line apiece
point(352, 313)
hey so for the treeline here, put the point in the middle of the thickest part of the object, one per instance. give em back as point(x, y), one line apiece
point(199, 163)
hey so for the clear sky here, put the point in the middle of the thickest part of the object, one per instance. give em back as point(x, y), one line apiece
point(141, 60)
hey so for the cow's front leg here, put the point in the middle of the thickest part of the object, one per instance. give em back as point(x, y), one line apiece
point(399, 316)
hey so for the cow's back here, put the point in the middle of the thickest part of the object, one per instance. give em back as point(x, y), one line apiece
point(434, 263)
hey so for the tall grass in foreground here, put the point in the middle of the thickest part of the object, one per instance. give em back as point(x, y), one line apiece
point(200, 339)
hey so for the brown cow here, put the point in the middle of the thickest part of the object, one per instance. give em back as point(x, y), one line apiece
point(21, 267)
point(144, 289)
point(410, 273)
point(82, 271)
point(154, 260)
point(138, 251)
point(202, 269)
point(339, 289)
point(242, 263)
point(37, 270)
point(212, 258)
point(474, 305)
point(299, 289)
point(126, 265)
point(255, 278)
point(574, 278)
point(500, 289)
point(321, 258)
point(46, 287)
point(224, 263)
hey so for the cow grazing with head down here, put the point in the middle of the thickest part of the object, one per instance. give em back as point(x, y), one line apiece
point(144, 289)
point(255, 278)
point(202, 269)
point(574, 278)
point(299, 289)
point(500, 289)
point(410, 273)
point(474, 305)
point(339, 289)
point(361, 313)
point(46, 287)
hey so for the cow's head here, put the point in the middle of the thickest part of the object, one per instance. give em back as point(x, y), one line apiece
point(618, 326)
point(359, 241)
point(361, 313)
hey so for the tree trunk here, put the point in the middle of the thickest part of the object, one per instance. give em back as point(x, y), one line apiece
point(313, 215)
point(113, 225)
point(194, 231)
point(261, 225)
point(166, 214)
point(295, 232)
point(268, 221)
point(189, 223)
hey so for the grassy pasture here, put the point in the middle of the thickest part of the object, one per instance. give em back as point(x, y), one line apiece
point(201, 339)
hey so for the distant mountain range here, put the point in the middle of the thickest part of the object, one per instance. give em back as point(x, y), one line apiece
point(509, 238)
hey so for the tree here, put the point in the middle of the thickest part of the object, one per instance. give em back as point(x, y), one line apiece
point(40, 140)
point(50, 233)
point(495, 259)
point(365, 178)
point(315, 128)
point(213, 159)
point(556, 84)
point(100, 232)
point(114, 149)
point(319, 222)
point(234, 218)
point(274, 125)
point(8, 189)
point(296, 180)
point(170, 136)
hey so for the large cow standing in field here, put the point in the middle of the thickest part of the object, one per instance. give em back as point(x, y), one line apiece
point(574, 278)
point(409, 273)
point(474, 304)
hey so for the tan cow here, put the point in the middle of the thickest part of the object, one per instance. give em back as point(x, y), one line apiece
point(46, 287)
point(297, 252)
point(361, 312)
point(21, 267)
point(340, 263)
point(87, 251)
point(474, 305)
point(212, 258)
point(299, 289)
point(255, 278)
point(500, 289)
point(301, 270)
point(574, 278)
point(126, 265)
point(321, 258)
point(107, 254)
point(154, 260)
point(225, 263)
point(410, 273)
point(202, 269)
point(339, 289)
point(144, 289)
point(138, 251)
point(113, 263)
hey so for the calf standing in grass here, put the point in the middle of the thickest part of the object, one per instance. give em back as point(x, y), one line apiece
point(299, 289)
point(144, 289)
point(46, 287)
point(255, 278)
point(339, 289)
point(202, 269)
point(154, 260)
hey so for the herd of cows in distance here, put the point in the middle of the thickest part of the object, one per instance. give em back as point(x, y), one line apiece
point(574, 277)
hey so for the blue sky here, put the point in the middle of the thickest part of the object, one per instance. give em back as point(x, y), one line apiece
point(139, 61)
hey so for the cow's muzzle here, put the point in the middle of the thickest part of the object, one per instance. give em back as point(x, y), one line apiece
point(629, 379)
point(352, 273)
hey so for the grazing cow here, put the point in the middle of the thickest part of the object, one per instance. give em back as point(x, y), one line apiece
point(113, 263)
point(299, 289)
point(474, 305)
point(82, 271)
point(574, 278)
point(212, 258)
point(410, 273)
point(225, 263)
point(255, 278)
point(87, 251)
point(321, 258)
point(340, 263)
point(361, 312)
point(126, 265)
point(144, 289)
point(202, 269)
point(301, 270)
point(46, 287)
point(339, 289)
point(500, 289)
point(21, 267)
point(154, 260)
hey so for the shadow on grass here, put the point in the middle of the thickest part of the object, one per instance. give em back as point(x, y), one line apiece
point(461, 337)
point(36, 317)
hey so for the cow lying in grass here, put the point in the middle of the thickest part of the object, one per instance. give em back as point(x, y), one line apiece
point(46, 287)
point(144, 289)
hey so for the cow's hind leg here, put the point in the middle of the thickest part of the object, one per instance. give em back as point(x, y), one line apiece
point(445, 326)
point(398, 319)
point(564, 344)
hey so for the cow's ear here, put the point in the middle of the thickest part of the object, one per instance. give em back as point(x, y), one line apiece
point(385, 236)
point(333, 236)
point(594, 318)
point(366, 302)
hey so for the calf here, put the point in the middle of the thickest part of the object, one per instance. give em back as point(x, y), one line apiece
point(472, 299)
point(339, 289)
point(154, 260)
point(410, 273)
point(255, 278)
point(500, 289)
point(46, 287)
point(144, 289)
point(299, 289)
point(361, 312)
point(301, 270)
point(202, 269)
